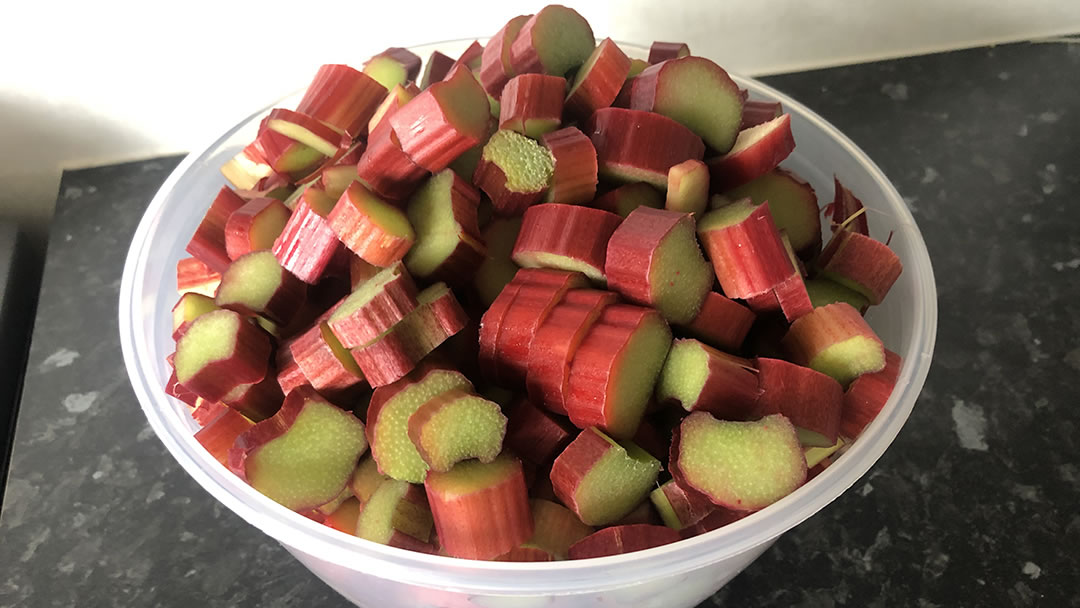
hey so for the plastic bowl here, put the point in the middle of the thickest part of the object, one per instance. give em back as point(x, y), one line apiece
point(680, 574)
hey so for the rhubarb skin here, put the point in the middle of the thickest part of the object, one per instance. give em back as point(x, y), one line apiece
point(435, 69)
point(173, 388)
point(342, 97)
point(615, 369)
point(443, 121)
point(532, 104)
point(254, 226)
point(756, 151)
point(194, 276)
point(745, 248)
point(599, 80)
point(449, 246)
point(374, 307)
point(699, 377)
point(566, 237)
point(867, 395)
point(471, 57)
point(715, 520)
point(205, 411)
point(553, 41)
point(624, 199)
point(574, 178)
point(530, 308)
point(837, 341)
point(289, 374)
point(860, 263)
point(809, 399)
point(634, 145)
point(307, 244)
point(385, 168)
point(846, 211)
point(325, 363)
point(481, 510)
point(793, 206)
point(556, 343)
point(208, 243)
point(680, 507)
point(617, 540)
point(653, 259)
point(219, 435)
point(238, 353)
point(662, 51)
point(759, 112)
point(535, 435)
point(722, 322)
point(397, 97)
point(495, 67)
point(370, 227)
point(255, 284)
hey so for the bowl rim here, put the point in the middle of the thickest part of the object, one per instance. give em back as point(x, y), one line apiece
point(531, 578)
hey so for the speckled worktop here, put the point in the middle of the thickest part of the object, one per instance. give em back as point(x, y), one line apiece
point(974, 505)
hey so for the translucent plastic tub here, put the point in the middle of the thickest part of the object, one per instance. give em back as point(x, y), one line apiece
point(676, 575)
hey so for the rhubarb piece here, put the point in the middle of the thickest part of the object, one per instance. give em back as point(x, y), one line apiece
point(189, 307)
point(344, 518)
point(194, 276)
point(745, 248)
point(173, 388)
point(325, 363)
point(835, 340)
point(644, 513)
point(846, 211)
point(394, 354)
point(204, 412)
point(307, 245)
point(574, 175)
point(360, 272)
point(809, 399)
point(556, 343)
point(815, 456)
point(719, 518)
point(219, 435)
point(565, 237)
point(532, 104)
point(481, 510)
point(497, 268)
point(789, 295)
point(465, 165)
point(495, 66)
point(662, 51)
point(385, 168)
point(602, 480)
point(695, 92)
point(653, 259)
point(256, 401)
point(289, 374)
point(443, 121)
point(530, 308)
point(255, 284)
point(867, 395)
point(534, 434)
point(860, 263)
point(247, 168)
point(220, 351)
point(756, 151)
point(254, 226)
point(759, 112)
point(397, 97)
point(722, 322)
point(699, 377)
point(637, 66)
point(792, 204)
point(615, 369)
point(366, 479)
point(824, 291)
point(617, 540)
point(342, 97)
point(553, 41)
point(526, 553)
point(598, 81)
point(639, 146)
point(374, 307)
point(471, 57)
point(555, 528)
point(680, 507)
point(448, 242)
point(742, 466)
point(688, 187)
point(397, 515)
point(388, 419)
point(393, 66)
point(304, 455)
point(456, 426)
point(208, 243)
point(333, 505)
point(435, 69)
point(624, 199)
point(371, 228)
point(284, 155)
point(514, 171)
point(308, 131)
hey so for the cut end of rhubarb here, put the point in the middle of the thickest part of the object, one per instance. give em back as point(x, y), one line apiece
point(528, 166)
point(612, 478)
point(457, 426)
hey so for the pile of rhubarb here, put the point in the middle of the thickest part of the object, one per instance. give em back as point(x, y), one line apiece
point(541, 302)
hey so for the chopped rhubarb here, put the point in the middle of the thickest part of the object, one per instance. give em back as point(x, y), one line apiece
point(792, 204)
point(325, 363)
point(371, 228)
point(617, 540)
point(653, 259)
point(385, 168)
point(553, 41)
point(719, 518)
point(678, 506)
point(220, 351)
point(809, 399)
point(205, 412)
point(254, 226)
point(307, 130)
point(307, 245)
point(457, 426)
point(514, 171)
point(173, 388)
point(435, 69)
point(443, 212)
point(758, 112)
point(688, 187)
point(699, 377)
point(219, 435)
point(860, 263)
point(555, 528)
point(285, 156)
point(835, 340)
point(471, 57)
point(443, 121)
point(304, 455)
point(397, 97)
point(644, 513)
point(208, 243)
point(846, 211)
point(602, 480)
point(360, 271)
point(742, 466)
point(566, 237)
point(695, 92)
point(598, 81)
point(465, 165)
point(397, 515)
point(245, 170)
point(866, 396)
point(497, 268)
point(639, 146)
point(189, 307)
point(256, 401)
point(624, 199)
point(495, 66)
point(374, 307)
point(745, 248)
point(574, 176)
point(535, 435)
point(393, 66)
point(344, 518)
point(756, 151)
point(481, 510)
point(637, 66)
point(532, 104)
point(662, 51)
point(722, 322)
point(823, 291)
point(194, 276)
point(256, 284)
point(366, 479)
point(342, 97)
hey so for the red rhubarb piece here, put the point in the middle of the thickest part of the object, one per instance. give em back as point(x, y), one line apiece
point(639, 146)
point(846, 211)
point(866, 396)
point(255, 284)
point(715, 520)
point(495, 67)
point(809, 399)
point(514, 171)
point(385, 168)
point(208, 243)
point(553, 41)
point(497, 268)
point(448, 247)
point(206, 411)
point(745, 248)
point(599, 80)
point(219, 352)
point(532, 104)
point(662, 51)
point(698, 377)
point(219, 435)
point(374, 307)
point(722, 322)
point(371, 228)
point(756, 151)
point(173, 388)
point(574, 176)
point(565, 237)
point(534, 434)
point(285, 155)
point(759, 112)
point(393, 66)
point(307, 245)
point(679, 506)
point(435, 69)
point(325, 363)
point(194, 276)
point(342, 97)
point(626, 198)
point(835, 340)
point(860, 263)
point(471, 57)
point(617, 540)
point(309, 131)
point(792, 204)
point(189, 307)
point(255, 226)
point(397, 97)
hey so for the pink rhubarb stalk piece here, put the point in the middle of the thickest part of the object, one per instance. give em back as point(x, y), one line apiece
point(529, 310)
point(325, 363)
point(809, 399)
point(374, 307)
point(435, 69)
point(255, 284)
point(835, 340)
point(680, 507)
point(370, 227)
point(745, 248)
point(532, 104)
point(617, 540)
point(574, 178)
point(536, 435)
point(397, 97)
point(220, 351)
point(307, 244)
point(254, 226)
point(756, 151)
point(219, 435)
point(194, 276)
point(342, 97)
point(698, 377)
point(866, 396)
point(639, 146)
point(722, 323)
point(565, 237)
point(793, 205)
point(457, 426)
point(860, 263)
point(514, 171)
point(495, 66)
point(553, 41)
point(759, 112)
point(208, 243)
point(662, 51)
point(688, 187)
point(599, 80)
point(385, 168)
point(624, 199)
point(397, 515)
point(448, 247)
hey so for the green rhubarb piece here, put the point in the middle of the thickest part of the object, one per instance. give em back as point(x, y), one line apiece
point(365, 292)
point(366, 479)
point(498, 268)
point(386, 71)
point(457, 426)
point(312, 461)
point(394, 507)
point(212, 338)
point(726, 215)
point(791, 201)
point(700, 95)
point(191, 306)
point(527, 164)
point(684, 373)
point(679, 275)
point(814, 455)
point(823, 292)
point(250, 281)
point(740, 465)
point(663, 507)
point(391, 446)
point(688, 187)
point(555, 528)
point(616, 483)
point(562, 38)
point(637, 66)
point(849, 359)
point(438, 230)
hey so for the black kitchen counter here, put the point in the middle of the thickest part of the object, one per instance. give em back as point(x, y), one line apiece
point(975, 504)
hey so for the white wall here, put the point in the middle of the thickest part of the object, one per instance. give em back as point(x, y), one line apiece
point(86, 83)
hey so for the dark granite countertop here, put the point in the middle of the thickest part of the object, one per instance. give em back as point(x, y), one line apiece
point(974, 505)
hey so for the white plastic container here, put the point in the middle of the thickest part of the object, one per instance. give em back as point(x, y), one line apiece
point(676, 575)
